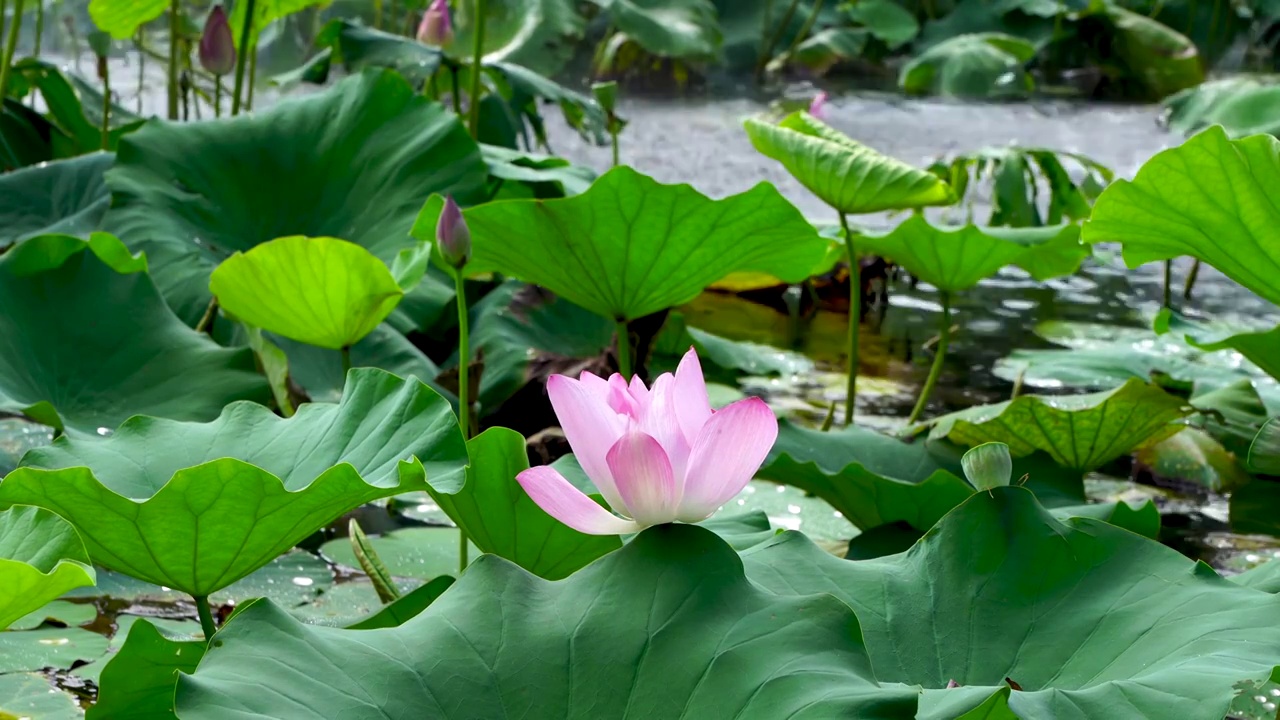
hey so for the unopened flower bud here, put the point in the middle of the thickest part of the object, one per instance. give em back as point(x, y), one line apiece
point(452, 235)
point(436, 27)
point(217, 47)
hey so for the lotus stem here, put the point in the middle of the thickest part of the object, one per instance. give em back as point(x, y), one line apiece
point(175, 11)
point(252, 80)
point(206, 617)
point(106, 101)
point(241, 59)
point(944, 337)
point(1191, 280)
point(464, 386)
point(855, 320)
point(377, 14)
point(206, 321)
point(457, 99)
point(766, 52)
point(477, 54)
point(372, 565)
point(624, 350)
point(10, 46)
point(39, 28)
point(346, 362)
point(142, 67)
point(613, 136)
point(217, 97)
point(1168, 283)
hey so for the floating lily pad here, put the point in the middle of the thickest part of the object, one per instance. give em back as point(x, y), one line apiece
point(1212, 198)
point(352, 601)
point(31, 695)
point(845, 174)
point(196, 507)
point(65, 197)
point(1262, 348)
point(421, 553)
point(57, 612)
point(41, 557)
point(954, 259)
point(645, 246)
point(1082, 432)
point(320, 291)
point(1078, 613)
point(48, 647)
point(353, 162)
point(668, 624)
point(130, 354)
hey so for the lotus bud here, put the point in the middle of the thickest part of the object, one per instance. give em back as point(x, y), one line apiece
point(818, 108)
point(452, 236)
point(217, 48)
point(436, 27)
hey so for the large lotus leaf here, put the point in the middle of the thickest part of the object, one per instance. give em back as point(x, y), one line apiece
point(1214, 198)
point(265, 12)
point(65, 197)
point(1262, 348)
point(666, 626)
point(869, 478)
point(1089, 620)
point(26, 137)
point(41, 557)
point(825, 49)
point(500, 518)
point(1082, 432)
point(353, 162)
point(74, 107)
point(359, 47)
point(196, 507)
point(139, 680)
point(320, 291)
point(90, 341)
point(845, 174)
point(122, 18)
point(978, 65)
point(886, 20)
point(1162, 59)
point(630, 246)
point(682, 29)
point(538, 34)
point(1192, 455)
point(1245, 105)
point(1264, 451)
point(955, 259)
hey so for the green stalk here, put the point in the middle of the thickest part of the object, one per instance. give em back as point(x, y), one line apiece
point(217, 97)
point(855, 320)
point(206, 617)
point(477, 54)
point(3, 5)
point(377, 14)
point(39, 27)
point(346, 362)
point(1168, 283)
point(804, 30)
point(10, 46)
point(238, 89)
point(253, 77)
point(464, 387)
point(614, 137)
point(944, 337)
point(174, 15)
point(1191, 280)
point(106, 102)
point(457, 99)
point(766, 52)
point(142, 66)
point(624, 350)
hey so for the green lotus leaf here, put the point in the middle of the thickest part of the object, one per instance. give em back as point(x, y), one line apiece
point(41, 557)
point(1163, 60)
point(319, 370)
point(667, 625)
point(26, 137)
point(1264, 452)
point(64, 197)
point(845, 174)
point(544, 176)
point(1192, 455)
point(630, 246)
point(1212, 198)
point(265, 12)
point(977, 65)
point(1262, 348)
point(500, 518)
point(1088, 619)
point(32, 695)
point(321, 291)
point(1233, 414)
point(122, 18)
point(827, 48)
point(196, 507)
point(1243, 105)
point(353, 162)
point(1082, 432)
point(538, 34)
point(130, 354)
point(359, 47)
point(75, 108)
point(886, 20)
point(955, 259)
point(681, 29)
point(139, 679)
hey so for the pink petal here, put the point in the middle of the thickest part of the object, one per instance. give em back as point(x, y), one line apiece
point(620, 396)
point(725, 456)
point(645, 480)
point(570, 505)
point(690, 392)
point(591, 427)
point(595, 384)
point(661, 421)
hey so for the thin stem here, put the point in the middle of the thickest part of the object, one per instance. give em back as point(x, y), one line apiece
point(217, 97)
point(174, 24)
point(457, 100)
point(106, 101)
point(10, 46)
point(464, 355)
point(346, 362)
point(614, 137)
point(944, 337)
point(477, 54)
point(206, 617)
point(377, 14)
point(855, 320)
point(39, 28)
point(804, 30)
point(1191, 280)
point(624, 349)
point(142, 67)
point(253, 76)
point(206, 321)
point(241, 60)
point(1168, 283)
point(766, 52)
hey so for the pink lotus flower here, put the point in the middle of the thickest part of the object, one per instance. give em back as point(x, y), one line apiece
point(436, 27)
point(657, 454)
point(818, 107)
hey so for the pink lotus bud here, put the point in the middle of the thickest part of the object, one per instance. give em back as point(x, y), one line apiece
point(452, 235)
point(436, 27)
point(818, 108)
point(657, 454)
point(217, 48)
